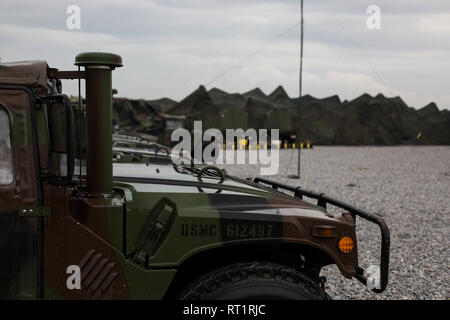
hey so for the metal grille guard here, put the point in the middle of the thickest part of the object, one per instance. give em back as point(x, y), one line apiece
point(322, 201)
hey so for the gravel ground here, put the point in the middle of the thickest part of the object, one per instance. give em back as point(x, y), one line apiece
point(408, 186)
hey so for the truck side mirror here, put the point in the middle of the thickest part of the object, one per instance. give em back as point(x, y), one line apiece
point(62, 139)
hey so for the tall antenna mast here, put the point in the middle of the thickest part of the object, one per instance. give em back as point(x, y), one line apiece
point(301, 55)
point(300, 89)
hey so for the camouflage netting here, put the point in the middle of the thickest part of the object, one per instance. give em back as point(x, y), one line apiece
point(365, 120)
point(141, 117)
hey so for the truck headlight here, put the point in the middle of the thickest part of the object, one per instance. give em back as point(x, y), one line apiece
point(346, 244)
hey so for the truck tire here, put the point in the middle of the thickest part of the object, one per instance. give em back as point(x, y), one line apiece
point(254, 281)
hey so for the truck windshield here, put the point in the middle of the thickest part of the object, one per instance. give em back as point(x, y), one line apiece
point(6, 176)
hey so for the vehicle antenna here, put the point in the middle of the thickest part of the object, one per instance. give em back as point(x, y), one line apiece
point(80, 105)
point(300, 90)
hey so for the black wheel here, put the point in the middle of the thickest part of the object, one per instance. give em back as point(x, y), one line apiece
point(254, 281)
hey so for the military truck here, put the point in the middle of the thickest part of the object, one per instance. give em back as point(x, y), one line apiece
point(78, 221)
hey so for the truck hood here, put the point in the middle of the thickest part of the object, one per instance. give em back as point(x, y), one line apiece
point(229, 195)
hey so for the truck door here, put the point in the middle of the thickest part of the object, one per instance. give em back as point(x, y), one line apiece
point(20, 198)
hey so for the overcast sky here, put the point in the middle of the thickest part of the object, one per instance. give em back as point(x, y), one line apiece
point(170, 47)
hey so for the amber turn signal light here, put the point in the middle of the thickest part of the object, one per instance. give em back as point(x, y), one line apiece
point(346, 244)
point(324, 231)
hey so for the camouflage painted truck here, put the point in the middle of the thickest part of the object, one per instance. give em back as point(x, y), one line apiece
point(78, 221)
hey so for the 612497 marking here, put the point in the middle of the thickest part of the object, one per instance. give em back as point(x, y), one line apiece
point(248, 230)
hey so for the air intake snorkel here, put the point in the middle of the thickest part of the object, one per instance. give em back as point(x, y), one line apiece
point(98, 69)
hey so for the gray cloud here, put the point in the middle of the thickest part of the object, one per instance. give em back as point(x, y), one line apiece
point(171, 46)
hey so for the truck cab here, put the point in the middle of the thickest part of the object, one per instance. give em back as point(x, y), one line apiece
point(86, 216)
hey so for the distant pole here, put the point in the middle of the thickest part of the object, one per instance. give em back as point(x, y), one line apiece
point(300, 90)
point(300, 79)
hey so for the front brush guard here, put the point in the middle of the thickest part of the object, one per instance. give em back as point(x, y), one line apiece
point(322, 201)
